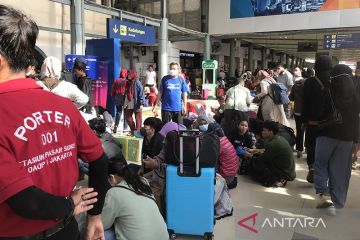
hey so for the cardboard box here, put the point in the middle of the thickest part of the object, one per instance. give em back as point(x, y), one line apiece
point(131, 147)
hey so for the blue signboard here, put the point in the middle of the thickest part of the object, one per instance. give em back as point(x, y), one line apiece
point(337, 41)
point(91, 64)
point(130, 32)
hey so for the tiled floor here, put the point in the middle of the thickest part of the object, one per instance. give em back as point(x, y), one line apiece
point(296, 201)
point(286, 213)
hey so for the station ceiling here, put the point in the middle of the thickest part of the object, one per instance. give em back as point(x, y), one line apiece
point(287, 42)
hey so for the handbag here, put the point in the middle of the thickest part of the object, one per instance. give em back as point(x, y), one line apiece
point(335, 116)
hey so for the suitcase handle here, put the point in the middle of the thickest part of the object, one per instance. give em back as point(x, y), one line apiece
point(195, 134)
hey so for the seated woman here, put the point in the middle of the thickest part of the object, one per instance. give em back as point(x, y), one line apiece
point(276, 165)
point(130, 206)
point(227, 159)
point(244, 141)
point(242, 137)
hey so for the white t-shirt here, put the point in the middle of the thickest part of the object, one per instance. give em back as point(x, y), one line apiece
point(286, 78)
point(150, 78)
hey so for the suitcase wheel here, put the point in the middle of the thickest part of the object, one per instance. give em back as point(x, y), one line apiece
point(173, 236)
point(209, 236)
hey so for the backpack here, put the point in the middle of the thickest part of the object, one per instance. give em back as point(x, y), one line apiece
point(181, 80)
point(279, 93)
point(209, 150)
point(287, 133)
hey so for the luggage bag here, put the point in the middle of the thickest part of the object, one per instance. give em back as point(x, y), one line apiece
point(190, 194)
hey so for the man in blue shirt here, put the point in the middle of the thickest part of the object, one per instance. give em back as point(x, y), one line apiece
point(173, 94)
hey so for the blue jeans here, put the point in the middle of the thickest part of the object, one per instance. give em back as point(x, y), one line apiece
point(84, 167)
point(119, 109)
point(110, 234)
point(332, 168)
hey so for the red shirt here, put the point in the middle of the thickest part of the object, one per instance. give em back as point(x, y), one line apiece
point(41, 137)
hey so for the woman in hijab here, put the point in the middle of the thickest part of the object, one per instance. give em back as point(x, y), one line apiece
point(50, 81)
point(134, 100)
point(268, 109)
point(118, 92)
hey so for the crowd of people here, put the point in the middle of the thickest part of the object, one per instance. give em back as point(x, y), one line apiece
point(47, 137)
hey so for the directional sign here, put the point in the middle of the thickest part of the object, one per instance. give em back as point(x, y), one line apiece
point(91, 64)
point(336, 41)
point(130, 32)
point(209, 64)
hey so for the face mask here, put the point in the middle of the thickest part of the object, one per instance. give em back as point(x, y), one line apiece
point(173, 72)
point(203, 128)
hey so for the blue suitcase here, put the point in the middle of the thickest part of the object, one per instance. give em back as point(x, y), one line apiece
point(190, 196)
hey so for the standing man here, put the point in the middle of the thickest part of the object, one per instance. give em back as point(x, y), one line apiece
point(83, 82)
point(285, 77)
point(313, 109)
point(173, 93)
point(150, 77)
point(40, 141)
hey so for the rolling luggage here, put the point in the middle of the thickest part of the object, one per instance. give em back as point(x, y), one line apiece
point(205, 93)
point(190, 193)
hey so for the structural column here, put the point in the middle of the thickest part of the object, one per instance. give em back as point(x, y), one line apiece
point(232, 58)
point(250, 57)
point(77, 27)
point(292, 63)
point(297, 62)
point(263, 58)
point(163, 42)
point(207, 47)
point(282, 58)
point(273, 56)
point(287, 60)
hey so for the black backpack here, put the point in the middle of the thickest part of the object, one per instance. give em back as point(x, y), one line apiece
point(209, 150)
point(287, 133)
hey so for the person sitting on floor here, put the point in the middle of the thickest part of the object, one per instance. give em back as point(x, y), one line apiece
point(276, 165)
point(228, 160)
point(153, 140)
point(158, 165)
point(244, 141)
point(130, 206)
point(111, 147)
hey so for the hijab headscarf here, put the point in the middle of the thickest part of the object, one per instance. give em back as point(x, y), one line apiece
point(130, 84)
point(262, 74)
point(216, 128)
point(169, 127)
point(201, 112)
point(118, 88)
point(51, 68)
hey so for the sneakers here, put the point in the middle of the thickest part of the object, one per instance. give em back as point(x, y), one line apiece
point(310, 176)
point(299, 154)
point(331, 210)
point(324, 201)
